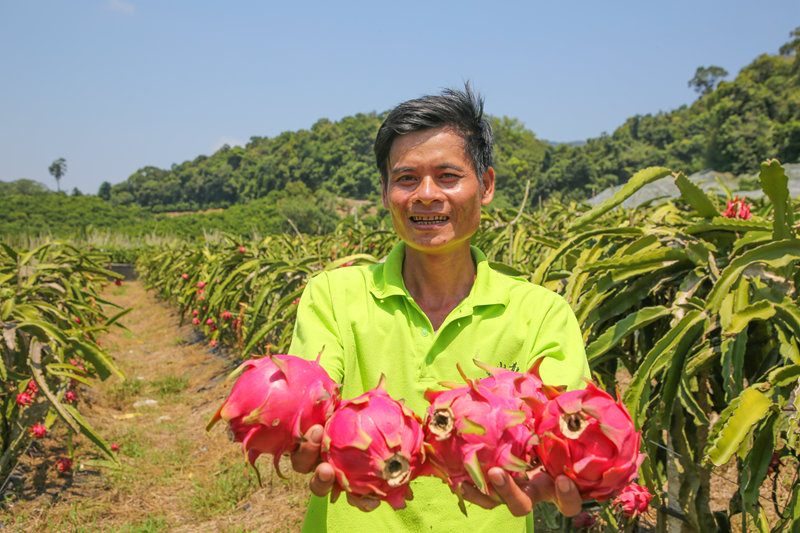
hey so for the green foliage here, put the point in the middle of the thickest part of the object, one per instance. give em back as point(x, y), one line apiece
point(50, 316)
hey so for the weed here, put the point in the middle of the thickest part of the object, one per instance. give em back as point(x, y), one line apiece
point(120, 395)
point(168, 385)
point(222, 491)
point(177, 341)
point(153, 524)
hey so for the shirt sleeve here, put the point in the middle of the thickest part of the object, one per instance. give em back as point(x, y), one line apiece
point(560, 342)
point(316, 329)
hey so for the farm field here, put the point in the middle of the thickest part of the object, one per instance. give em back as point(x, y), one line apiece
point(173, 476)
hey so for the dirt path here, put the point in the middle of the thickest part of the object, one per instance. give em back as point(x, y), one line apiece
point(174, 476)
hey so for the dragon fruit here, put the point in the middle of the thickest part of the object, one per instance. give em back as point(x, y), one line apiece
point(275, 400)
point(588, 436)
point(633, 500)
point(512, 384)
point(375, 445)
point(471, 429)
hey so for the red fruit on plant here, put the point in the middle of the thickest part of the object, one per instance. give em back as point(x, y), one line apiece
point(77, 320)
point(185, 275)
point(118, 282)
point(38, 431)
point(201, 284)
point(633, 500)
point(235, 323)
point(210, 322)
point(114, 446)
point(471, 429)
point(226, 315)
point(296, 301)
point(375, 445)
point(32, 388)
point(70, 397)
point(64, 464)
point(23, 399)
point(589, 437)
point(274, 402)
point(196, 321)
point(242, 249)
point(195, 312)
point(737, 208)
point(213, 343)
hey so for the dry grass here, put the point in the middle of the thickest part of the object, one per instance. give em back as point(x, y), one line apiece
point(173, 475)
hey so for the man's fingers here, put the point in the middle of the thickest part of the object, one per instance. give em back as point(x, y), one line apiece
point(472, 494)
point(322, 480)
point(306, 456)
point(518, 502)
point(567, 496)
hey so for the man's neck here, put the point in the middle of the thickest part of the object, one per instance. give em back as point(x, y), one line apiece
point(438, 283)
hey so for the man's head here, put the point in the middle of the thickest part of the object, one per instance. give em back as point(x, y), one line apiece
point(460, 110)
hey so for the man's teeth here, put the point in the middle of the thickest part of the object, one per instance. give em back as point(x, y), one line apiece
point(429, 220)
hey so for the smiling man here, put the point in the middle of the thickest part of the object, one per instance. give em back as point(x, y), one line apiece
point(433, 303)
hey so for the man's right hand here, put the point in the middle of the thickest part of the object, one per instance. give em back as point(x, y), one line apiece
point(306, 458)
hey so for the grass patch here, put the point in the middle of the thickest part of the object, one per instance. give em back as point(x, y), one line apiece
point(168, 386)
point(153, 524)
point(177, 341)
point(122, 394)
point(223, 490)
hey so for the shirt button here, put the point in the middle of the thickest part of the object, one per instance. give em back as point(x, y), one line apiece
point(423, 332)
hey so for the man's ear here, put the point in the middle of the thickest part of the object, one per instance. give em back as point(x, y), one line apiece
point(487, 181)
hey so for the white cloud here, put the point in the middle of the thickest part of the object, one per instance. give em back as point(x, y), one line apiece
point(121, 6)
point(230, 141)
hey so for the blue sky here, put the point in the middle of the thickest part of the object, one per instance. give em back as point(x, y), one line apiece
point(115, 85)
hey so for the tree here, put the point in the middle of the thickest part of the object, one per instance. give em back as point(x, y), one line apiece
point(706, 79)
point(58, 169)
point(105, 191)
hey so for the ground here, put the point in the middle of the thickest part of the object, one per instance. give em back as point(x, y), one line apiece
point(173, 476)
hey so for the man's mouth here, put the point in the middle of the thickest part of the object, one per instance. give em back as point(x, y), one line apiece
point(429, 219)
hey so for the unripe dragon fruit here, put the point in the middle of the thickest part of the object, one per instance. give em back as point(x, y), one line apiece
point(375, 445)
point(588, 436)
point(275, 400)
point(471, 429)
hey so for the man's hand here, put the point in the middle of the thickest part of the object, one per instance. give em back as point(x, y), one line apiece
point(520, 497)
point(306, 458)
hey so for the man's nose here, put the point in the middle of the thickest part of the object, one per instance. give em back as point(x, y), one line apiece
point(428, 190)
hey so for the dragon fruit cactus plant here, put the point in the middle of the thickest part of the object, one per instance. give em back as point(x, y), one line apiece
point(588, 436)
point(375, 445)
point(275, 400)
point(471, 429)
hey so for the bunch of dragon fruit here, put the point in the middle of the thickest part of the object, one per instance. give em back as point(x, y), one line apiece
point(375, 445)
point(589, 437)
point(474, 427)
point(275, 400)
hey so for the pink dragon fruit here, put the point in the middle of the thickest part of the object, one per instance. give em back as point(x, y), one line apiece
point(588, 436)
point(375, 445)
point(633, 500)
point(511, 384)
point(275, 400)
point(471, 429)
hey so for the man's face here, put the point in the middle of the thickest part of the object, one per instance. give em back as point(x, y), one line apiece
point(433, 192)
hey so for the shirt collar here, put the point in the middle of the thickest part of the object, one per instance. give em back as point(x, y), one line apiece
point(388, 281)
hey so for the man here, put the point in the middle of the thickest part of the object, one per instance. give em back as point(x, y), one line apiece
point(433, 303)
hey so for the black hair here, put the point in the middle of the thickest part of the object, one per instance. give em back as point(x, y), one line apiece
point(460, 110)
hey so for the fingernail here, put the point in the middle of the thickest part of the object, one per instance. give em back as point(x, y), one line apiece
point(315, 437)
point(497, 478)
point(325, 475)
point(563, 484)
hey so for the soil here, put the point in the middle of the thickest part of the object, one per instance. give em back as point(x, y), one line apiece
point(173, 475)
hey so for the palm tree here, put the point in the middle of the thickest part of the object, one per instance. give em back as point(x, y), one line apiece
point(58, 169)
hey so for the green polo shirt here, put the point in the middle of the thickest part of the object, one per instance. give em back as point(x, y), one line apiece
point(366, 323)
